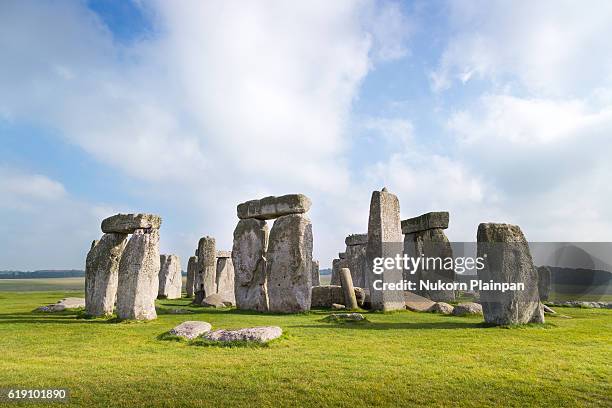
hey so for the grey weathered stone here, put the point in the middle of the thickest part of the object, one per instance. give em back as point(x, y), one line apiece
point(442, 308)
point(337, 306)
point(337, 264)
point(273, 207)
point(544, 282)
point(548, 310)
point(356, 239)
point(102, 274)
point(64, 304)
point(350, 301)
point(128, 223)
point(345, 317)
point(248, 257)
point(507, 259)
point(206, 274)
point(214, 300)
point(139, 276)
point(417, 303)
point(432, 244)
point(225, 279)
point(289, 264)
point(252, 334)
point(384, 240)
point(468, 308)
point(224, 254)
point(192, 267)
point(170, 277)
point(342, 255)
point(316, 279)
point(325, 296)
point(432, 220)
point(356, 260)
point(191, 329)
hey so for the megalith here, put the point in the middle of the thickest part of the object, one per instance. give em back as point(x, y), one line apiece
point(139, 276)
point(356, 258)
point(273, 207)
point(248, 257)
point(316, 279)
point(192, 267)
point(507, 259)
point(289, 264)
point(337, 264)
point(128, 223)
point(350, 300)
point(225, 276)
point(206, 273)
point(102, 273)
point(544, 282)
point(170, 277)
point(384, 241)
point(424, 236)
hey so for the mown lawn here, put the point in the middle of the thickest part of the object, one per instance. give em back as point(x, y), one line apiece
point(399, 359)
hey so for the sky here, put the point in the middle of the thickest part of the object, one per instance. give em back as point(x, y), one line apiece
point(496, 111)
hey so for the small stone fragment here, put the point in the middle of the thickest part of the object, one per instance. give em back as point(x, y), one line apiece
point(468, 308)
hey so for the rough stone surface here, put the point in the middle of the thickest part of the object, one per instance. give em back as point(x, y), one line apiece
point(432, 244)
point(468, 308)
point(350, 300)
point(342, 255)
point(432, 220)
point(346, 317)
point(357, 263)
point(507, 259)
point(337, 306)
point(584, 304)
point(384, 240)
point(316, 279)
point(548, 310)
point(191, 329)
point(273, 207)
point(128, 223)
point(206, 274)
point(337, 264)
point(442, 308)
point(224, 254)
point(356, 239)
point(289, 264)
point(225, 279)
point(417, 303)
point(170, 278)
point(139, 276)
point(214, 300)
point(64, 304)
point(192, 267)
point(102, 274)
point(544, 282)
point(248, 257)
point(252, 334)
point(325, 296)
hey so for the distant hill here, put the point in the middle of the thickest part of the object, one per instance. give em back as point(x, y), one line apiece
point(325, 271)
point(45, 273)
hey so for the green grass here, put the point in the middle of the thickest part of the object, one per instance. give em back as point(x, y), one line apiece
point(397, 359)
point(42, 284)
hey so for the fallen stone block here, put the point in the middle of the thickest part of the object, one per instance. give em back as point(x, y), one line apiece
point(191, 329)
point(252, 334)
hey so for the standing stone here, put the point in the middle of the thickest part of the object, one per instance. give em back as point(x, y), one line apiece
point(356, 258)
point(206, 275)
point(384, 241)
point(316, 279)
point(289, 264)
point(170, 278)
point(544, 282)
point(102, 273)
point(350, 301)
point(225, 277)
point(337, 264)
point(192, 267)
point(248, 257)
point(507, 259)
point(424, 235)
point(139, 276)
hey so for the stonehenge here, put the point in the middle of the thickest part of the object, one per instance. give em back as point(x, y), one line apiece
point(316, 279)
point(544, 282)
point(273, 270)
point(384, 241)
point(424, 235)
point(170, 278)
point(225, 276)
point(507, 258)
point(327, 295)
point(206, 273)
point(356, 258)
point(337, 264)
point(122, 271)
point(192, 267)
point(348, 289)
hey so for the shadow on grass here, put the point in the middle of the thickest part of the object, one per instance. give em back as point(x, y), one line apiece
point(369, 325)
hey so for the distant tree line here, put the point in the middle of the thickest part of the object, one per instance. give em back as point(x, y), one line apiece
point(58, 273)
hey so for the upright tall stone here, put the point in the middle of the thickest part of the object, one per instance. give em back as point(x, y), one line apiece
point(337, 264)
point(289, 264)
point(507, 259)
point(384, 241)
point(102, 273)
point(192, 267)
point(170, 277)
point(316, 279)
point(248, 257)
point(206, 275)
point(139, 276)
point(544, 282)
point(225, 276)
point(424, 235)
point(356, 258)
point(350, 300)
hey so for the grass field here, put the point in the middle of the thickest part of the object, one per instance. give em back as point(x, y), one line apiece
point(398, 359)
